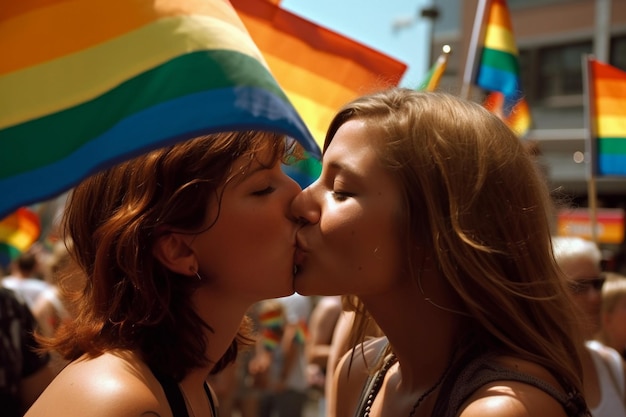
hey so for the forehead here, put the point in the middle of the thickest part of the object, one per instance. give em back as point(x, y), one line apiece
point(265, 151)
point(354, 144)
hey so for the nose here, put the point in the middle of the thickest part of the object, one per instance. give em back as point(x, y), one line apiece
point(293, 188)
point(305, 208)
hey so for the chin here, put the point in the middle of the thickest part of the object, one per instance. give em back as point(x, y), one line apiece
point(304, 287)
point(300, 287)
point(276, 292)
point(288, 288)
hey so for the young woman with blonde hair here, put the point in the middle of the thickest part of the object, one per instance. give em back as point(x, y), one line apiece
point(431, 211)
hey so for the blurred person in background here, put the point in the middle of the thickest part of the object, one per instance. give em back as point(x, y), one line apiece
point(322, 323)
point(25, 277)
point(284, 326)
point(24, 372)
point(604, 371)
point(613, 327)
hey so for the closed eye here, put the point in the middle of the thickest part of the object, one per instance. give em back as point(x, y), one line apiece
point(341, 195)
point(265, 191)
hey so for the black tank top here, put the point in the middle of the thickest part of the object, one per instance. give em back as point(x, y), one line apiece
point(484, 370)
point(175, 396)
point(481, 371)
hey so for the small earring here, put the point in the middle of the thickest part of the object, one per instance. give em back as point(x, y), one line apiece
point(193, 271)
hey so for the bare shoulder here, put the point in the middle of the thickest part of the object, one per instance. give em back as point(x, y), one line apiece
point(513, 398)
point(109, 385)
point(352, 373)
point(362, 359)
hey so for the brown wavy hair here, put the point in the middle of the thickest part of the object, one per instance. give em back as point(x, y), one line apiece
point(475, 199)
point(129, 300)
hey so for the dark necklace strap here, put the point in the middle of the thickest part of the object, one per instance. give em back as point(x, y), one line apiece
point(431, 389)
point(378, 381)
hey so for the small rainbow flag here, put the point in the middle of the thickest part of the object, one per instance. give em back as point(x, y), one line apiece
point(607, 97)
point(498, 68)
point(519, 117)
point(302, 332)
point(270, 338)
point(18, 231)
point(85, 84)
point(433, 76)
point(272, 319)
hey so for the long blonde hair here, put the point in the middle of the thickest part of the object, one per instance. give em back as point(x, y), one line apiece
point(474, 197)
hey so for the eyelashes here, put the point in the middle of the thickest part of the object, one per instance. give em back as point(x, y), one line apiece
point(341, 195)
point(265, 191)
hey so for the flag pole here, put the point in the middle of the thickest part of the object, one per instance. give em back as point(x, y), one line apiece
point(433, 77)
point(470, 63)
point(601, 48)
point(589, 93)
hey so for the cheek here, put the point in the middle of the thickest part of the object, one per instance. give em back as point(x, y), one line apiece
point(361, 243)
point(347, 231)
point(259, 235)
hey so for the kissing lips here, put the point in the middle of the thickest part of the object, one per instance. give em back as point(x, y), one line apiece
point(298, 260)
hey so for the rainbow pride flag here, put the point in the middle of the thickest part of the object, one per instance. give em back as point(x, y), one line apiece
point(271, 338)
point(85, 84)
point(18, 232)
point(607, 99)
point(319, 69)
point(498, 68)
point(272, 319)
point(302, 332)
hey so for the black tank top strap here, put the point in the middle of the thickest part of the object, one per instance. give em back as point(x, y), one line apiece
point(371, 380)
point(209, 394)
point(174, 395)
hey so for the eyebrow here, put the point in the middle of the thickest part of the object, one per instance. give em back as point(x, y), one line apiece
point(340, 166)
point(349, 171)
point(238, 177)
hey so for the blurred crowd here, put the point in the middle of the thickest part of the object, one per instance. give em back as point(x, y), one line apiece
point(300, 339)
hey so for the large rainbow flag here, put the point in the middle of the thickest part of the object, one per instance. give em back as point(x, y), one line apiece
point(607, 117)
point(18, 231)
point(85, 84)
point(498, 69)
point(319, 69)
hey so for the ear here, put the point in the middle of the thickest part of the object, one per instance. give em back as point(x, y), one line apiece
point(173, 251)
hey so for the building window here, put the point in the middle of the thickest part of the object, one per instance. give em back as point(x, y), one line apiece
point(527, 75)
point(560, 70)
point(618, 52)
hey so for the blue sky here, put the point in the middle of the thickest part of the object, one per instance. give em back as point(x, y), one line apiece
point(370, 22)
